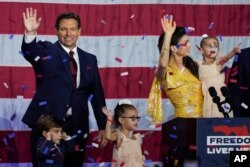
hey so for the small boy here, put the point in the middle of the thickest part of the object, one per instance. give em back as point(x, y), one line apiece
point(53, 143)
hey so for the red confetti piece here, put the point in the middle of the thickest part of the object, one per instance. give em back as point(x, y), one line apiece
point(234, 73)
point(99, 159)
point(244, 88)
point(233, 81)
point(191, 147)
point(235, 68)
point(118, 59)
point(198, 47)
point(39, 76)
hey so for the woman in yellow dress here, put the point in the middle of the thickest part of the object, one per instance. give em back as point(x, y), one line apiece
point(177, 74)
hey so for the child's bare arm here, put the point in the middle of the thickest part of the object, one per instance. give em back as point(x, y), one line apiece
point(235, 50)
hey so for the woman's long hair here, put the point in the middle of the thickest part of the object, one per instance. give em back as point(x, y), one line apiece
point(188, 62)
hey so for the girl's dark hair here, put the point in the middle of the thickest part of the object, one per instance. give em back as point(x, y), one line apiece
point(120, 110)
point(188, 62)
point(46, 122)
point(67, 15)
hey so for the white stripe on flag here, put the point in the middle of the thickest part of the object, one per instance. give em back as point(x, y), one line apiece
point(131, 50)
point(12, 111)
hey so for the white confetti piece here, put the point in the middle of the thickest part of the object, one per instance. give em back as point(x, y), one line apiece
point(95, 145)
point(140, 82)
point(85, 136)
point(146, 152)
point(124, 73)
point(37, 58)
point(244, 105)
point(132, 16)
point(6, 85)
point(19, 97)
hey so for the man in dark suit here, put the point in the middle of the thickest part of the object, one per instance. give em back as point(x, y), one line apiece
point(66, 78)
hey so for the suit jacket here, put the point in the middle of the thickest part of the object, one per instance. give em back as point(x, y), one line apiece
point(54, 85)
point(50, 154)
point(239, 84)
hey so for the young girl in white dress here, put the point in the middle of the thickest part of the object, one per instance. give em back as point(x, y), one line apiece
point(211, 74)
point(127, 146)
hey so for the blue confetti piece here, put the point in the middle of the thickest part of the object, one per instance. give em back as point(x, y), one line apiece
point(11, 36)
point(46, 150)
point(49, 56)
point(175, 149)
point(174, 127)
point(168, 17)
point(13, 117)
point(42, 103)
point(90, 97)
point(236, 57)
point(186, 30)
point(91, 159)
point(65, 60)
point(49, 161)
point(220, 37)
point(173, 136)
point(143, 36)
point(89, 146)
point(24, 86)
point(5, 141)
point(12, 135)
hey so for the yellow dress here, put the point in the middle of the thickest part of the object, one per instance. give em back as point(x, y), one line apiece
point(184, 91)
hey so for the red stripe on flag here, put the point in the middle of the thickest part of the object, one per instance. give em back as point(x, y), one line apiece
point(123, 82)
point(105, 20)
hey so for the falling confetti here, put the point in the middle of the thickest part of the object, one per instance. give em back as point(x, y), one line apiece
point(211, 25)
point(124, 73)
point(104, 22)
point(42, 103)
point(146, 152)
point(244, 105)
point(37, 58)
point(118, 59)
point(220, 37)
point(140, 82)
point(233, 81)
point(11, 36)
point(132, 16)
point(143, 36)
point(95, 145)
point(173, 136)
point(6, 85)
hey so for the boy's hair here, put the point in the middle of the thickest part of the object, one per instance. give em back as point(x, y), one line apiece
point(120, 111)
point(46, 122)
point(188, 62)
point(68, 15)
point(210, 37)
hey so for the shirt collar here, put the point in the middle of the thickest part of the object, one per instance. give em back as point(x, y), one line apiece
point(67, 49)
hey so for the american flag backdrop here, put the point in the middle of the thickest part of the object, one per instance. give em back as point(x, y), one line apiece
point(123, 34)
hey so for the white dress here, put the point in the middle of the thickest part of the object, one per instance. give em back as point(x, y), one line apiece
point(210, 75)
point(129, 154)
